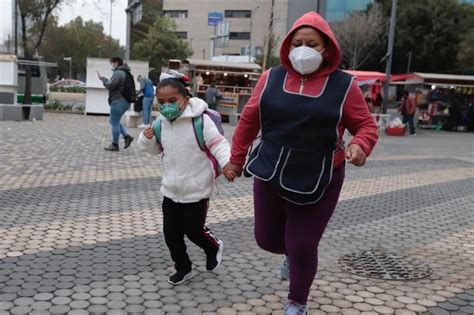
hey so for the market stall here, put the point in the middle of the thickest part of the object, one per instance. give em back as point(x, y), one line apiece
point(235, 82)
point(444, 100)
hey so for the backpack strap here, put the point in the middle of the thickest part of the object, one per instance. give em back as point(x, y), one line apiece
point(198, 126)
point(157, 131)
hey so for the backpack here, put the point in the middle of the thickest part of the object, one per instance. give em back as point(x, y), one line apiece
point(127, 88)
point(198, 126)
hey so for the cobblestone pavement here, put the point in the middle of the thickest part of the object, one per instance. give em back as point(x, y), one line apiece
point(81, 230)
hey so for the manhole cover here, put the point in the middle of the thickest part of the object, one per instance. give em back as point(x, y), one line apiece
point(376, 263)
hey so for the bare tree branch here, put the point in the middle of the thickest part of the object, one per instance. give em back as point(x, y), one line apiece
point(359, 33)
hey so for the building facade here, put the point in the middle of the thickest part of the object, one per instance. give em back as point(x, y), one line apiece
point(248, 21)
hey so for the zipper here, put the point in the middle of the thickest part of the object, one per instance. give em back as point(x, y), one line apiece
point(303, 81)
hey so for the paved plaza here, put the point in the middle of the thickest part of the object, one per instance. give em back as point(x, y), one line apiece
point(81, 230)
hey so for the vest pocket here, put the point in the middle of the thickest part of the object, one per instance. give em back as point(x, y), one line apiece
point(305, 172)
point(264, 160)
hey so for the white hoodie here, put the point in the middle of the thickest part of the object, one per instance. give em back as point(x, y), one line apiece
point(188, 174)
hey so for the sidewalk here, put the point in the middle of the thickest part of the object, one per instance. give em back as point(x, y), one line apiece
point(81, 230)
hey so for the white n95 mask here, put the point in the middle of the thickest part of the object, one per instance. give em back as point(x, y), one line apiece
point(305, 60)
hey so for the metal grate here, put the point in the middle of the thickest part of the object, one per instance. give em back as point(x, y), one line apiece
point(378, 264)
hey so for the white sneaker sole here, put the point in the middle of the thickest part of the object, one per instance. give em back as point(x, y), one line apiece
point(188, 276)
point(219, 254)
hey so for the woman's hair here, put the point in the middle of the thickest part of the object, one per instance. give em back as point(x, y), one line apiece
point(117, 60)
point(174, 83)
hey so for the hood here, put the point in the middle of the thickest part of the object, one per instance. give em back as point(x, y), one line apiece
point(332, 55)
point(195, 108)
point(124, 67)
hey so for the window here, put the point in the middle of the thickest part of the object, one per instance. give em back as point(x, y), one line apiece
point(177, 14)
point(137, 13)
point(239, 35)
point(183, 35)
point(238, 14)
point(35, 71)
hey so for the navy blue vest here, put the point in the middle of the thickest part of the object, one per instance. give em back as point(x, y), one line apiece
point(299, 137)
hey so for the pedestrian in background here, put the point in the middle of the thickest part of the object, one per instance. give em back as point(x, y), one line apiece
point(408, 110)
point(212, 96)
point(301, 109)
point(121, 89)
point(146, 88)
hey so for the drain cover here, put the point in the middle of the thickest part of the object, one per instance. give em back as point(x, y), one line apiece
point(378, 264)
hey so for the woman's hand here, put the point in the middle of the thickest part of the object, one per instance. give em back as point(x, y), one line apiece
point(149, 133)
point(231, 171)
point(355, 155)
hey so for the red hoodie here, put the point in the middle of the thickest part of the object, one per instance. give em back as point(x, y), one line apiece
point(355, 117)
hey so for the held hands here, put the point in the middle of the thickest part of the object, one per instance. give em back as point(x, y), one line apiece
point(231, 171)
point(148, 133)
point(355, 155)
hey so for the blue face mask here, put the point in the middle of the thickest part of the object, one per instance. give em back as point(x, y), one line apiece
point(171, 111)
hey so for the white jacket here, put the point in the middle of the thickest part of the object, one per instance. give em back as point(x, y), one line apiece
point(188, 174)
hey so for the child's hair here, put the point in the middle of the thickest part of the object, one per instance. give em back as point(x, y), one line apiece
point(174, 83)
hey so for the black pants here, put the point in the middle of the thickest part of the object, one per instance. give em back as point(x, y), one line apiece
point(180, 219)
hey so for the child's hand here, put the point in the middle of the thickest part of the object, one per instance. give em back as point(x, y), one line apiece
point(230, 176)
point(231, 171)
point(149, 134)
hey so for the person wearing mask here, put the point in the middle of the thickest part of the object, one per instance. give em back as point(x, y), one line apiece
point(301, 108)
point(146, 88)
point(117, 101)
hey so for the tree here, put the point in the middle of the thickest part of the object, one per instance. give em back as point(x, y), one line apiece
point(34, 16)
point(161, 44)
point(77, 39)
point(272, 60)
point(359, 34)
point(430, 29)
point(465, 57)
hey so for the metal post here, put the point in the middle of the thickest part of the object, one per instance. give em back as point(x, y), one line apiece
point(110, 30)
point(388, 67)
point(250, 38)
point(16, 26)
point(409, 61)
point(70, 68)
point(127, 44)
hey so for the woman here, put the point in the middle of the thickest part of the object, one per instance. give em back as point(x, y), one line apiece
point(117, 101)
point(302, 109)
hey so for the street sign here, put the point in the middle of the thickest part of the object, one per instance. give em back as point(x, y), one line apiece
point(213, 18)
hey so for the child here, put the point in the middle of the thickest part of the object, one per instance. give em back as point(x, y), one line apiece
point(188, 176)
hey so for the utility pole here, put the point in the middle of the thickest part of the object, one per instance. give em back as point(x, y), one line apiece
point(15, 27)
point(110, 30)
point(388, 66)
point(128, 11)
point(266, 49)
point(409, 61)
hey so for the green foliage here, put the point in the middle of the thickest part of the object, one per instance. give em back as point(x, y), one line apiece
point(161, 44)
point(79, 40)
point(272, 47)
point(433, 30)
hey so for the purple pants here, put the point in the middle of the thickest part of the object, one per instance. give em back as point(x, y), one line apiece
point(282, 227)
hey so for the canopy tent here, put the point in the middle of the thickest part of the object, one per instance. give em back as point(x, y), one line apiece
point(362, 76)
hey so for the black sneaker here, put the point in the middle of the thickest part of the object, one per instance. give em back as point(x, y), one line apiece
point(112, 147)
point(213, 262)
point(128, 141)
point(180, 277)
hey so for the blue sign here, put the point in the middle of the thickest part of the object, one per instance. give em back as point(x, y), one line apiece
point(214, 18)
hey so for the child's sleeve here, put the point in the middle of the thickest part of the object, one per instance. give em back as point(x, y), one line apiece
point(148, 145)
point(215, 142)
